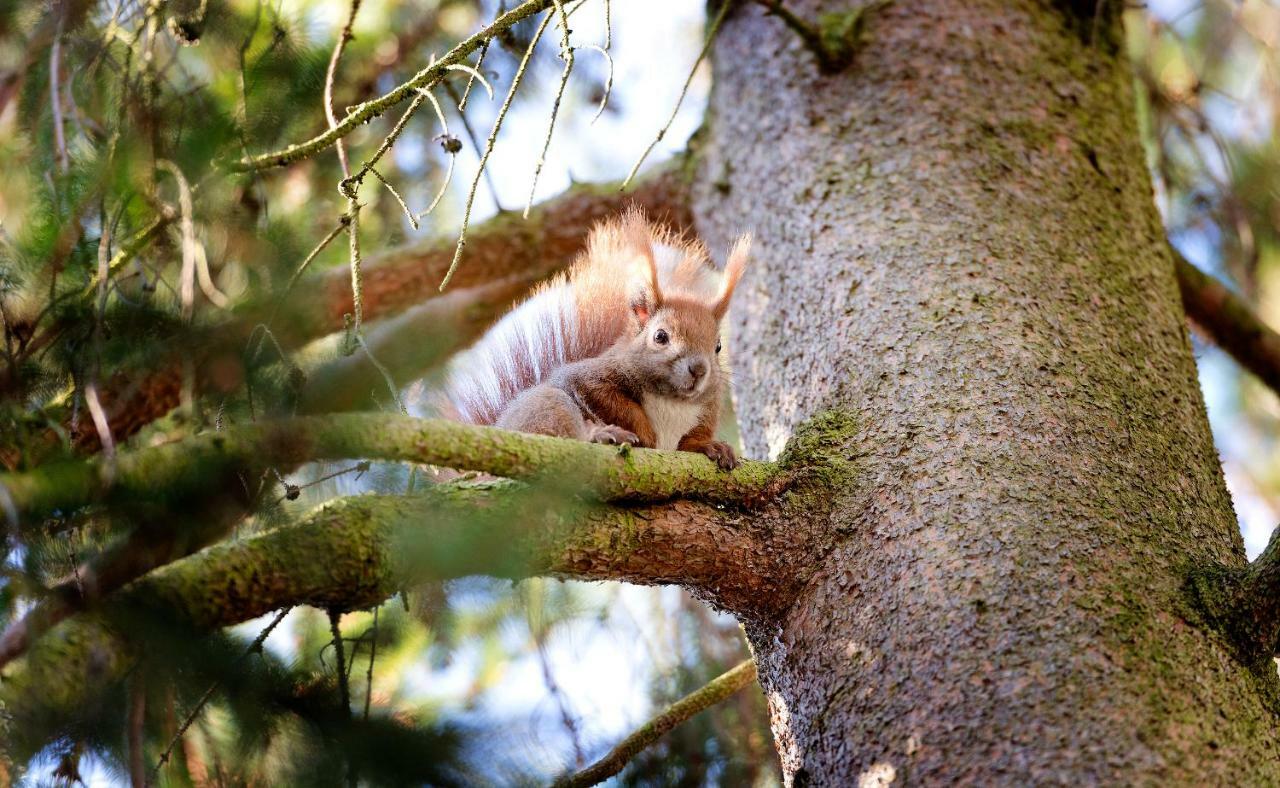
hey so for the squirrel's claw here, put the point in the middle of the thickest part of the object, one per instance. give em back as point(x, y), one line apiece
point(721, 454)
point(614, 436)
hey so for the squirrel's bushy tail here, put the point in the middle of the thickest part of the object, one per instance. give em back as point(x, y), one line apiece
point(576, 315)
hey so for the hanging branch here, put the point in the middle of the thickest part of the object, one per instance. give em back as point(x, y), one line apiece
point(330, 74)
point(712, 30)
point(566, 53)
point(488, 149)
point(362, 113)
point(716, 691)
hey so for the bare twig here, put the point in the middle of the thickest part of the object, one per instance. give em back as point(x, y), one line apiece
point(475, 75)
point(488, 148)
point(716, 691)
point(329, 76)
point(357, 291)
point(255, 646)
point(349, 184)
point(449, 149)
point(706, 47)
point(608, 83)
point(474, 139)
point(566, 53)
point(360, 114)
point(55, 98)
point(373, 654)
point(312, 255)
point(404, 207)
point(475, 72)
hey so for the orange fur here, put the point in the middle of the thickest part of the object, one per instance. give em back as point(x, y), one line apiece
point(631, 273)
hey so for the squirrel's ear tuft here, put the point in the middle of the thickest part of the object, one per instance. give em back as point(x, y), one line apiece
point(638, 241)
point(732, 273)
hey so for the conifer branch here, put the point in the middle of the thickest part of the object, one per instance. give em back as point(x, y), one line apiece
point(1229, 321)
point(715, 691)
point(185, 467)
point(356, 552)
point(373, 108)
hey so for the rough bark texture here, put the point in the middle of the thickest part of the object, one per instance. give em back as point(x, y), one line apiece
point(959, 245)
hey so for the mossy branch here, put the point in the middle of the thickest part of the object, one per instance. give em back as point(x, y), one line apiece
point(715, 691)
point(185, 467)
point(365, 112)
point(358, 551)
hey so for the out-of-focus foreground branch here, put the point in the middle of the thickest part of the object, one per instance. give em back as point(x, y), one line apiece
point(358, 551)
point(1229, 322)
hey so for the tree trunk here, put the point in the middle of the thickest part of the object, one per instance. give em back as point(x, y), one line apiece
point(957, 245)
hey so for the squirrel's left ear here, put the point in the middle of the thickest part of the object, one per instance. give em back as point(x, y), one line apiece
point(732, 273)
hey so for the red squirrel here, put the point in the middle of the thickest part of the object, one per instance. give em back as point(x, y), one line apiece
point(624, 348)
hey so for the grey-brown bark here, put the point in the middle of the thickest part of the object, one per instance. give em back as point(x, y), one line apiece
point(958, 243)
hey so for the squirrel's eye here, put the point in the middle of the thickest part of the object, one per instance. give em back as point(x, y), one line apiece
point(660, 336)
point(717, 346)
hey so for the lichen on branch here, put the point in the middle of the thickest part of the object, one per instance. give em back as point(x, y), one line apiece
point(186, 467)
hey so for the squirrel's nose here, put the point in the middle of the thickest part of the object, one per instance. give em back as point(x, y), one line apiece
point(697, 368)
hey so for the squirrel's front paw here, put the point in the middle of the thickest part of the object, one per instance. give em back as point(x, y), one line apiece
point(607, 433)
point(721, 454)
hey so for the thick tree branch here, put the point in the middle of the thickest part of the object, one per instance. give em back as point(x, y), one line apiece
point(1244, 604)
point(715, 691)
point(358, 551)
point(178, 469)
point(1230, 322)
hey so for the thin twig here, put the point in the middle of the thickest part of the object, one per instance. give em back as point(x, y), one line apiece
point(373, 654)
point(329, 75)
point(566, 52)
point(715, 691)
point(360, 114)
point(475, 72)
point(706, 47)
point(386, 374)
point(446, 140)
point(256, 645)
point(474, 139)
point(475, 75)
point(132, 245)
point(320, 247)
point(349, 184)
point(193, 259)
point(608, 83)
point(357, 285)
point(488, 148)
point(55, 52)
point(413, 220)
point(343, 687)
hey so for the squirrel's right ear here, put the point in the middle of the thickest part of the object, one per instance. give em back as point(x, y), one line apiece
point(732, 273)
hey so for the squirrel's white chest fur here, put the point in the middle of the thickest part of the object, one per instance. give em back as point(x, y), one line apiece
point(671, 419)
